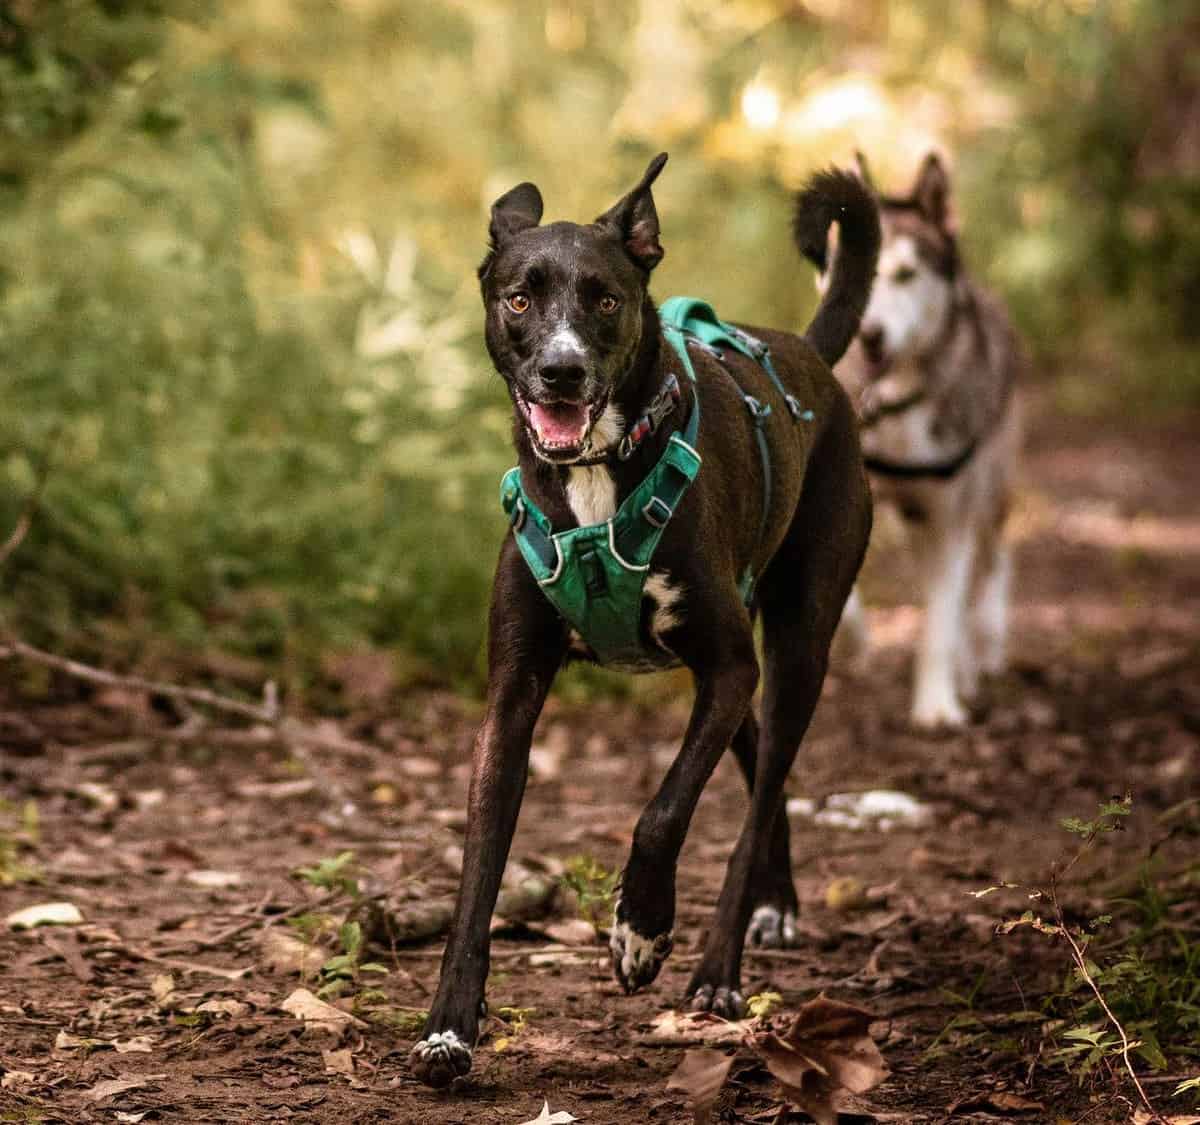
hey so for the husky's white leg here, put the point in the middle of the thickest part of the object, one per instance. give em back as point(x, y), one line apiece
point(853, 636)
point(991, 612)
point(947, 558)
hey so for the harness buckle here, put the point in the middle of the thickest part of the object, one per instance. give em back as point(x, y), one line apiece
point(657, 512)
point(793, 405)
point(758, 410)
point(519, 514)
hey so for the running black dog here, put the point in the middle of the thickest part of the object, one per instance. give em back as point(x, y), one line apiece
point(615, 410)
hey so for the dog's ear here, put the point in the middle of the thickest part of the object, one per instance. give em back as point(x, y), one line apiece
point(931, 192)
point(635, 219)
point(863, 171)
point(515, 211)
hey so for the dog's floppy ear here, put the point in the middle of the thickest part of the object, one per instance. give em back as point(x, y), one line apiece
point(635, 219)
point(931, 192)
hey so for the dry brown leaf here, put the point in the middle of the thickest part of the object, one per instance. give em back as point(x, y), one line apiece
point(700, 1077)
point(235, 1009)
point(138, 1045)
point(45, 914)
point(1141, 1117)
point(283, 953)
point(574, 931)
point(997, 1101)
point(15, 1079)
point(827, 1052)
point(318, 1017)
point(340, 1061)
point(113, 1086)
point(214, 880)
point(697, 1027)
point(561, 1117)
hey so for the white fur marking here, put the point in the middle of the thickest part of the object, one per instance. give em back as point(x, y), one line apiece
point(566, 339)
point(911, 313)
point(666, 598)
point(591, 490)
point(635, 951)
point(947, 578)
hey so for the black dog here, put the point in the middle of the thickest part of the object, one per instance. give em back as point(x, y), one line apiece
point(572, 330)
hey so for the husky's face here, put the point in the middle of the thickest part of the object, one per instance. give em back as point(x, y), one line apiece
point(565, 305)
point(914, 288)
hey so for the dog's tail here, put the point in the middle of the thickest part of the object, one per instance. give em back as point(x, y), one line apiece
point(842, 198)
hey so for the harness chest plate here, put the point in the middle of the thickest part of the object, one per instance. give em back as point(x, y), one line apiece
point(594, 576)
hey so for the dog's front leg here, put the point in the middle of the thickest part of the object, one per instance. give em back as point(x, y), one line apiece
point(645, 912)
point(526, 645)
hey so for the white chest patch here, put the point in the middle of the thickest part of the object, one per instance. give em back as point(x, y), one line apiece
point(591, 494)
point(591, 490)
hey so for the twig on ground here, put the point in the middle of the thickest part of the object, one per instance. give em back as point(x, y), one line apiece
point(25, 520)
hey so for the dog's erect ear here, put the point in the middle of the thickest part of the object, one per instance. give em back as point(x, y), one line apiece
point(513, 212)
point(862, 170)
point(635, 219)
point(931, 192)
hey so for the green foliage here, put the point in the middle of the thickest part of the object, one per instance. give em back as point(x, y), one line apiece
point(237, 251)
point(595, 888)
point(342, 970)
point(18, 836)
point(334, 874)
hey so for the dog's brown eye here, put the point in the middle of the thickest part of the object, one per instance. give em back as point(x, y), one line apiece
point(904, 274)
point(608, 304)
point(518, 302)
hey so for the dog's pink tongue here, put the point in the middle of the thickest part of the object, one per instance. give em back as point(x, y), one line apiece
point(559, 423)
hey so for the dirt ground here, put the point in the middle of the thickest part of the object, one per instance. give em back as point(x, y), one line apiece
point(178, 848)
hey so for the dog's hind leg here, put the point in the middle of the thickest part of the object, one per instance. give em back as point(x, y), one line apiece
point(991, 610)
point(853, 637)
point(526, 644)
point(802, 594)
point(773, 923)
point(726, 676)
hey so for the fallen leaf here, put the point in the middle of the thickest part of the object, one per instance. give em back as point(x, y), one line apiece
point(45, 914)
point(15, 1079)
point(696, 1027)
point(827, 1051)
point(283, 953)
point(278, 790)
point(317, 1016)
point(65, 1041)
point(214, 880)
point(340, 1061)
point(228, 1007)
point(700, 1077)
point(561, 1117)
point(163, 988)
point(575, 931)
point(999, 1101)
point(1141, 1117)
point(138, 1045)
point(113, 1086)
point(133, 1117)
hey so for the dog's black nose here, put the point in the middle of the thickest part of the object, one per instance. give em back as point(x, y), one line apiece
point(871, 336)
point(563, 375)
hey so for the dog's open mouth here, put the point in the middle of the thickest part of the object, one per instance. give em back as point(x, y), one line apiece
point(560, 430)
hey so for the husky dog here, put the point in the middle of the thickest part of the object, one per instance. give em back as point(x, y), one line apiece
point(933, 371)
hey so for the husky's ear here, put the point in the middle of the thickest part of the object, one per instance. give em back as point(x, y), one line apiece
point(635, 219)
point(863, 171)
point(931, 192)
point(515, 211)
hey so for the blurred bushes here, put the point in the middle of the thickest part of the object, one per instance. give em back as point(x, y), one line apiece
point(237, 251)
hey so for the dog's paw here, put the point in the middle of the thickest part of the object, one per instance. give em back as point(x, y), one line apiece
point(440, 1058)
point(772, 928)
point(636, 959)
point(728, 1003)
point(944, 712)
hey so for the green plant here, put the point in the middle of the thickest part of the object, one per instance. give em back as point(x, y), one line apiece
point(343, 969)
point(594, 886)
point(517, 1020)
point(337, 873)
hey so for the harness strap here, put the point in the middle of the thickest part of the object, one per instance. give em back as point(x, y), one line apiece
point(939, 470)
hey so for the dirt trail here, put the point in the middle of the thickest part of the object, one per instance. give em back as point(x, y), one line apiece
point(1104, 695)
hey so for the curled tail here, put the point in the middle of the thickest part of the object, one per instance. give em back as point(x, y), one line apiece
point(842, 198)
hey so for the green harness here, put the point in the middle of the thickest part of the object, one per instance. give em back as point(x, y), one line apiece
point(594, 576)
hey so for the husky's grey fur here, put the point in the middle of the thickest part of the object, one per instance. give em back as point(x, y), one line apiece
point(933, 370)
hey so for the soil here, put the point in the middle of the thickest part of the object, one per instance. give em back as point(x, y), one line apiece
point(178, 844)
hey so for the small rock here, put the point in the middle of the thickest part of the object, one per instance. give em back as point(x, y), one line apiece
point(45, 914)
